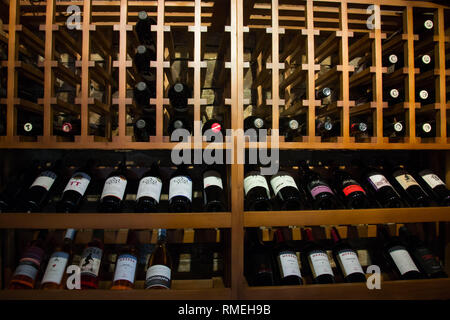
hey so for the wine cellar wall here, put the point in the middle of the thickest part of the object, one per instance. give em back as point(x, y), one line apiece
point(336, 84)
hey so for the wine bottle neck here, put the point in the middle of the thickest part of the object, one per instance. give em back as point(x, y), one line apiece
point(309, 235)
point(335, 235)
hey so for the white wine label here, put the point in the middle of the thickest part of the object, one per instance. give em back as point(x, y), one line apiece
point(319, 263)
point(115, 187)
point(180, 186)
point(405, 180)
point(90, 261)
point(56, 267)
point(280, 182)
point(253, 181)
point(349, 262)
point(433, 180)
point(423, 94)
point(288, 264)
point(379, 181)
point(402, 259)
point(79, 183)
point(45, 180)
point(27, 270)
point(158, 276)
point(149, 187)
point(212, 178)
point(125, 268)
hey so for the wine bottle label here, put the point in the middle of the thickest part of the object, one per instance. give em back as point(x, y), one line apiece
point(353, 187)
point(180, 186)
point(149, 187)
point(432, 180)
point(319, 263)
point(78, 183)
point(158, 275)
point(115, 187)
point(90, 261)
point(33, 255)
point(405, 180)
point(56, 267)
point(379, 181)
point(280, 182)
point(402, 259)
point(254, 181)
point(45, 180)
point(25, 269)
point(317, 187)
point(212, 178)
point(427, 260)
point(70, 234)
point(349, 262)
point(289, 264)
point(125, 268)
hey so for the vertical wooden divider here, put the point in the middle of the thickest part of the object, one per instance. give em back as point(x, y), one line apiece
point(410, 88)
point(378, 85)
point(85, 77)
point(13, 55)
point(275, 66)
point(344, 34)
point(441, 131)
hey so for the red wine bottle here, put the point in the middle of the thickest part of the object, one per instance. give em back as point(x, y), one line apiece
point(179, 93)
point(323, 93)
point(288, 266)
point(424, 62)
point(258, 259)
point(149, 190)
point(90, 262)
point(144, 54)
point(393, 96)
point(114, 190)
point(427, 262)
point(398, 256)
point(256, 189)
point(180, 190)
point(394, 129)
point(350, 190)
point(315, 259)
point(290, 128)
point(435, 186)
point(425, 96)
point(406, 182)
point(179, 121)
point(358, 128)
point(320, 192)
point(213, 192)
point(286, 191)
point(143, 28)
point(325, 127)
point(213, 128)
point(75, 189)
point(254, 123)
point(144, 127)
point(143, 93)
point(426, 129)
point(346, 259)
point(384, 192)
point(38, 194)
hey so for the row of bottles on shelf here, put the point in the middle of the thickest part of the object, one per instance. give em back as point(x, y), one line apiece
point(407, 256)
point(388, 187)
point(32, 262)
point(31, 192)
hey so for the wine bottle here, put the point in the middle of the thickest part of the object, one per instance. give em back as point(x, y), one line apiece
point(67, 128)
point(323, 93)
point(351, 191)
point(29, 124)
point(256, 189)
point(126, 264)
point(286, 191)
point(394, 129)
point(179, 121)
point(38, 193)
point(56, 267)
point(149, 190)
point(323, 197)
point(179, 94)
point(392, 62)
point(213, 128)
point(385, 193)
point(255, 123)
point(424, 62)
point(425, 96)
point(159, 273)
point(144, 54)
point(435, 187)
point(325, 127)
point(415, 194)
point(398, 256)
point(289, 128)
point(426, 260)
point(258, 260)
point(315, 259)
point(75, 189)
point(25, 275)
point(144, 127)
point(143, 28)
point(114, 190)
point(180, 190)
point(393, 96)
point(143, 93)
point(91, 259)
point(213, 192)
point(426, 129)
point(358, 128)
point(346, 259)
point(288, 266)
point(425, 25)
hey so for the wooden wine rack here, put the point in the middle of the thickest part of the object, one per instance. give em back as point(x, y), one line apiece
point(294, 21)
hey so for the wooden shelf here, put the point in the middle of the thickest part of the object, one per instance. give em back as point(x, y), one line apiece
point(115, 220)
point(345, 216)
